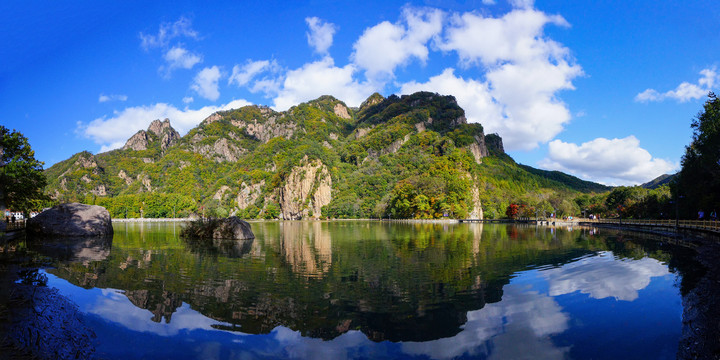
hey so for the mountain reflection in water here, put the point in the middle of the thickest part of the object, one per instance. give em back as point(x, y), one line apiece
point(372, 289)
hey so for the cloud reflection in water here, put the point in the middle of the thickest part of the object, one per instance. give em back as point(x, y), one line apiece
point(517, 327)
point(604, 276)
point(522, 325)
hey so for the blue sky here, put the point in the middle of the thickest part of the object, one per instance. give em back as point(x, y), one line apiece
point(602, 90)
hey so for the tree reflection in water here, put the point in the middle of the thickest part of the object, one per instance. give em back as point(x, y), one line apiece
point(438, 290)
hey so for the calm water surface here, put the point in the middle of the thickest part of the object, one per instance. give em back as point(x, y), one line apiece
point(336, 290)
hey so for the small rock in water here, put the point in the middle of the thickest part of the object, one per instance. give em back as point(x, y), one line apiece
point(233, 228)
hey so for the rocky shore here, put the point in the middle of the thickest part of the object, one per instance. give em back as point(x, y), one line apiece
point(701, 307)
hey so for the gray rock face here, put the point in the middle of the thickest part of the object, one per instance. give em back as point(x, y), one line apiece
point(71, 219)
point(233, 228)
point(165, 132)
point(306, 191)
point(162, 129)
point(137, 142)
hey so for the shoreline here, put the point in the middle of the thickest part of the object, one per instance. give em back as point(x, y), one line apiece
point(438, 221)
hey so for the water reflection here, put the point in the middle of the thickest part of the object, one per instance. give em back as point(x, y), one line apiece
point(81, 249)
point(604, 276)
point(517, 327)
point(225, 247)
point(356, 288)
point(305, 246)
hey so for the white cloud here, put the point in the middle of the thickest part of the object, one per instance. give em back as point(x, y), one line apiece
point(320, 36)
point(105, 98)
point(685, 91)
point(206, 83)
point(188, 99)
point(111, 133)
point(242, 75)
point(488, 2)
point(472, 95)
point(524, 73)
point(386, 46)
point(321, 78)
point(604, 276)
point(268, 86)
point(613, 162)
point(517, 37)
point(179, 58)
point(168, 32)
point(522, 4)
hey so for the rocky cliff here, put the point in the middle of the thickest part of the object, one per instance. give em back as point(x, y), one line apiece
point(317, 159)
point(308, 188)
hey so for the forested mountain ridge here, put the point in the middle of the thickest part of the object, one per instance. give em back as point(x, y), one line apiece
point(413, 156)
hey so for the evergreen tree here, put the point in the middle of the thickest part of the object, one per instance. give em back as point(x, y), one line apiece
point(699, 181)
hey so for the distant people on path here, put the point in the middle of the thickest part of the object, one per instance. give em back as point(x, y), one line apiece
point(701, 215)
point(713, 215)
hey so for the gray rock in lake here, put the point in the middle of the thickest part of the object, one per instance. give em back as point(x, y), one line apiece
point(71, 219)
point(233, 228)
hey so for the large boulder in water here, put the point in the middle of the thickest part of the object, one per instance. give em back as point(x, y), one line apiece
point(233, 228)
point(73, 219)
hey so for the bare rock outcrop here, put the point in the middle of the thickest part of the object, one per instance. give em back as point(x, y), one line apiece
point(390, 149)
point(341, 111)
point(71, 220)
point(85, 161)
point(221, 150)
point(165, 132)
point(123, 175)
point(99, 190)
point(264, 131)
point(476, 212)
point(145, 180)
point(137, 142)
point(249, 194)
point(306, 191)
point(162, 129)
point(478, 149)
point(220, 194)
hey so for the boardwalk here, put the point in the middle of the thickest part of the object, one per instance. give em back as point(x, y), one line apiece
point(702, 225)
point(699, 225)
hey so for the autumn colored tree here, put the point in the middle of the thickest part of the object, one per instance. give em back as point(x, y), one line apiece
point(512, 211)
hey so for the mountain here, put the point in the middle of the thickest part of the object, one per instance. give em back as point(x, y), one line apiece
point(659, 181)
point(569, 180)
point(400, 156)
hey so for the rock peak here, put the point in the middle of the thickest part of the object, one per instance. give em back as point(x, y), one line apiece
point(373, 99)
point(158, 127)
point(162, 129)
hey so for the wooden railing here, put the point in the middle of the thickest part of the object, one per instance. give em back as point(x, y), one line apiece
point(707, 225)
point(17, 225)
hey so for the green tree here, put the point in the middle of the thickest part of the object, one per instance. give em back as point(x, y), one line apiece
point(21, 176)
point(699, 180)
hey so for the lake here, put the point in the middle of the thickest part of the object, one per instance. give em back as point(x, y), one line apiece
point(363, 289)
